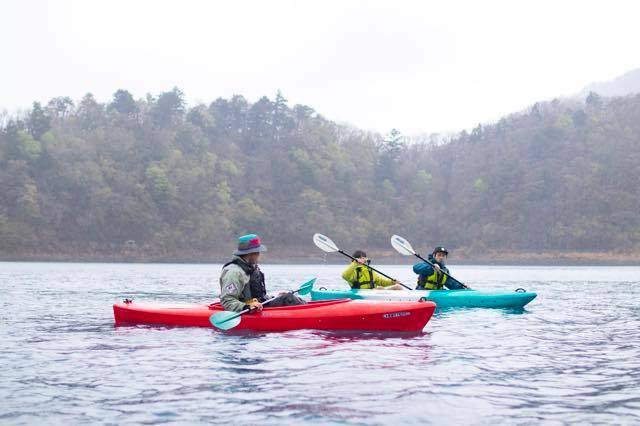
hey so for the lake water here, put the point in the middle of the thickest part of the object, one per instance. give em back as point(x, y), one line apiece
point(573, 356)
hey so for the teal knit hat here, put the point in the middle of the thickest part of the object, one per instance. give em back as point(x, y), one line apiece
point(249, 244)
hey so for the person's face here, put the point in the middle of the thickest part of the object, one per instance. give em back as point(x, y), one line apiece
point(253, 258)
point(440, 256)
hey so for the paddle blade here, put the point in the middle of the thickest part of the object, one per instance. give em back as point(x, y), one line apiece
point(225, 320)
point(306, 287)
point(402, 246)
point(324, 243)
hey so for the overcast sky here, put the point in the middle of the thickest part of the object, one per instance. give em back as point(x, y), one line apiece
point(417, 66)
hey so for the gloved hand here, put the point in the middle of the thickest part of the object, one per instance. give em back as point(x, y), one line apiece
point(253, 305)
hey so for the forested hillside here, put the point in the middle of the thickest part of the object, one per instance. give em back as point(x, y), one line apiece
point(155, 179)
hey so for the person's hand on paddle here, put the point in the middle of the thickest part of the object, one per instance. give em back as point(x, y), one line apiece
point(436, 267)
point(253, 305)
point(363, 260)
point(395, 285)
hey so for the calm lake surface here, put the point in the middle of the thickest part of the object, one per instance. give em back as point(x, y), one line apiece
point(573, 356)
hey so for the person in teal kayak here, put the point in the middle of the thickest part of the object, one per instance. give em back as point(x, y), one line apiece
point(242, 284)
point(360, 276)
point(431, 277)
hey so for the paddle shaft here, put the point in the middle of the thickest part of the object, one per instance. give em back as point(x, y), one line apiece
point(374, 269)
point(249, 310)
point(430, 263)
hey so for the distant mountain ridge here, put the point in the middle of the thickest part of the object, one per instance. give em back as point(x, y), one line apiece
point(626, 84)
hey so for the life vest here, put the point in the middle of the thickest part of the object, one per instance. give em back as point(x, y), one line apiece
point(434, 281)
point(361, 280)
point(255, 288)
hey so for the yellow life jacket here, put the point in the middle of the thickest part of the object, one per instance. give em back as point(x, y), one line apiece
point(363, 278)
point(434, 281)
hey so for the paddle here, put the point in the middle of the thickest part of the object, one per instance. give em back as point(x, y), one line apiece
point(226, 320)
point(403, 247)
point(324, 243)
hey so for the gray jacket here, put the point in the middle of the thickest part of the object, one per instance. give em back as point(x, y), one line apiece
point(234, 288)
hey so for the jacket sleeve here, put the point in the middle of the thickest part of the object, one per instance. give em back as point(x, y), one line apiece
point(349, 274)
point(232, 282)
point(380, 280)
point(423, 269)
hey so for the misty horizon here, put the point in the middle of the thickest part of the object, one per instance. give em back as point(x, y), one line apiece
point(418, 68)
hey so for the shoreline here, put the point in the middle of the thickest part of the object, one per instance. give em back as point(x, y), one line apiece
point(555, 258)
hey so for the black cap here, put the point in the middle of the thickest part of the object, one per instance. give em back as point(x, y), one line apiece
point(440, 250)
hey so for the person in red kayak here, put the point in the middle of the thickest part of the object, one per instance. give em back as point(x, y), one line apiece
point(242, 283)
point(360, 276)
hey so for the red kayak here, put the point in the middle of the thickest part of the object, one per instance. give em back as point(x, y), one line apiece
point(344, 314)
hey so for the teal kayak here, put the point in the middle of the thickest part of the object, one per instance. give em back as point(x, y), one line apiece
point(442, 298)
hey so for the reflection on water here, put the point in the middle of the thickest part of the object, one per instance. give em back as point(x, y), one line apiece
point(571, 356)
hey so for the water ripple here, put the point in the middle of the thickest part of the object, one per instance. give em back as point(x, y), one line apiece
point(573, 356)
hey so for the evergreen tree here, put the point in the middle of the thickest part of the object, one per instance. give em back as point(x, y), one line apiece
point(39, 122)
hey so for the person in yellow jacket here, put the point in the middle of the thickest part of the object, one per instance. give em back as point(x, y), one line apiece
point(360, 276)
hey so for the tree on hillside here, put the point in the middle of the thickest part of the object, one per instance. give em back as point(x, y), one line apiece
point(260, 120)
point(123, 103)
point(282, 121)
point(169, 108)
point(390, 148)
point(60, 107)
point(38, 122)
point(594, 100)
point(90, 112)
